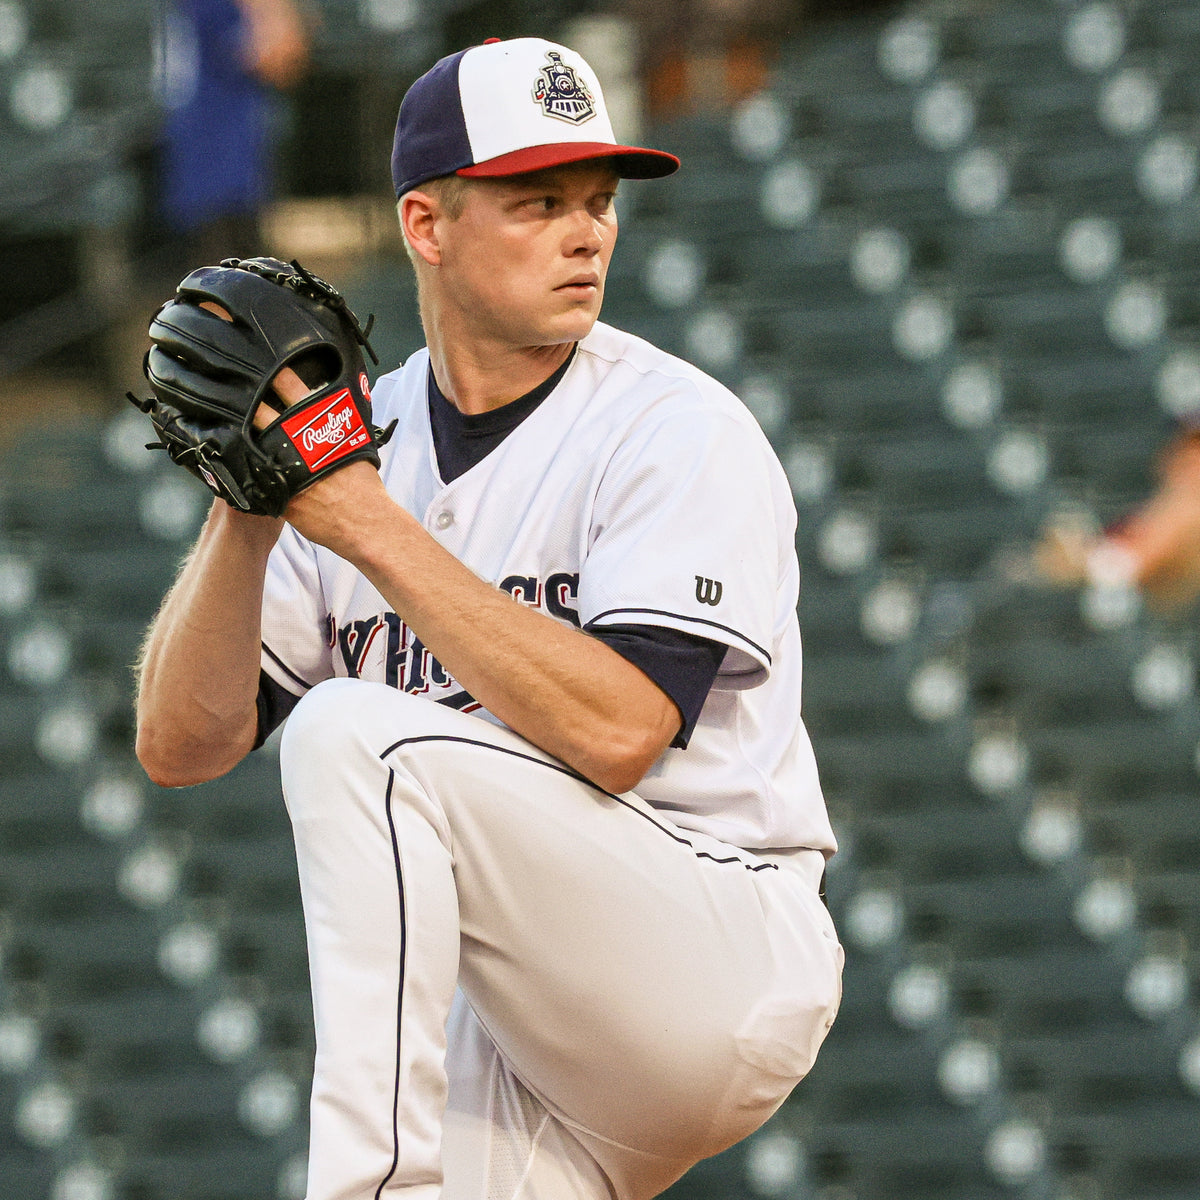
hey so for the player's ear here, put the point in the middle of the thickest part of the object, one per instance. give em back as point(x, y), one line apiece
point(418, 212)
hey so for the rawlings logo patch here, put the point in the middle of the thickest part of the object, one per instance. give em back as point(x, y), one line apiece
point(561, 92)
point(324, 434)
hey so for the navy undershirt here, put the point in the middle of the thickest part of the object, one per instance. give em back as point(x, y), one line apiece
point(682, 665)
point(461, 440)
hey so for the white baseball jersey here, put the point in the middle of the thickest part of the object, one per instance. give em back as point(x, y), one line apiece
point(639, 492)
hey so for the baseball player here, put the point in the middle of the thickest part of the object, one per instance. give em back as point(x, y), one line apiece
point(559, 828)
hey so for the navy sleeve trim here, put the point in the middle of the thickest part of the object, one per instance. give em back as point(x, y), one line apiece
point(273, 704)
point(761, 651)
point(683, 665)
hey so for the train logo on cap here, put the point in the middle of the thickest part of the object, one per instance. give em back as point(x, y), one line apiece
point(561, 92)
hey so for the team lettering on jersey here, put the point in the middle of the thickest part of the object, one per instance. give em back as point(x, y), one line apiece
point(383, 647)
point(557, 594)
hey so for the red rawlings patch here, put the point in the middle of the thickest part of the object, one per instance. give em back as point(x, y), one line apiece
point(327, 432)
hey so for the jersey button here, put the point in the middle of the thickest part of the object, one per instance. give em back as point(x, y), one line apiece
point(444, 520)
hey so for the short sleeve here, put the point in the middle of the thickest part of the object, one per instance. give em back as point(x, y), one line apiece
point(295, 623)
point(684, 536)
point(684, 667)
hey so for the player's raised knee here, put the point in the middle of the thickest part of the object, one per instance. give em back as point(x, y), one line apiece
point(327, 715)
point(340, 716)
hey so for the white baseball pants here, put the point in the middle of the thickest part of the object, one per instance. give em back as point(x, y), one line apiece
point(525, 988)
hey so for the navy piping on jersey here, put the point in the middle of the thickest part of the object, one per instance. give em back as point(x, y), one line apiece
point(400, 984)
point(661, 612)
point(416, 739)
point(284, 667)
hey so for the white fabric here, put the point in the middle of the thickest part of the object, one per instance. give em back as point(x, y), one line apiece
point(635, 489)
point(633, 996)
point(501, 118)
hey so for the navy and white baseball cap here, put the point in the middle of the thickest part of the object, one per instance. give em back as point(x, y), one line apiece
point(507, 107)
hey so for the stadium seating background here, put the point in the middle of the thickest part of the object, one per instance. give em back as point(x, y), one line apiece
point(947, 257)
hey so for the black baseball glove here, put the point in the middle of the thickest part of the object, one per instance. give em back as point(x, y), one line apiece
point(209, 376)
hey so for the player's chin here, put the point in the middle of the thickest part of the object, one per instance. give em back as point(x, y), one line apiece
point(576, 321)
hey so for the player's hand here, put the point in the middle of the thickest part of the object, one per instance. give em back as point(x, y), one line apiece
point(348, 512)
point(325, 512)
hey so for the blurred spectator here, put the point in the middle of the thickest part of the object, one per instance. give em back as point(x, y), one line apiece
point(705, 55)
point(1156, 547)
point(221, 63)
point(699, 55)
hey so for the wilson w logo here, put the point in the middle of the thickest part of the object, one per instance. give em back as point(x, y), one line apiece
point(708, 591)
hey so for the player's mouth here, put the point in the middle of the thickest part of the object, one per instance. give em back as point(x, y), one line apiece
point(581, 285)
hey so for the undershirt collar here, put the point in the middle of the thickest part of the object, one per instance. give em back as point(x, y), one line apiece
point(460, 440)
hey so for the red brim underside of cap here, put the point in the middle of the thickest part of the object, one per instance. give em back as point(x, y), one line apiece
point(632, 162)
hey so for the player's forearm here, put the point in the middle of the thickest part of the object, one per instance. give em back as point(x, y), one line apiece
point(564, 691)
point(198, 677)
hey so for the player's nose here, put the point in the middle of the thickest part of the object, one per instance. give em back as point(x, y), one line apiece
point(586, 233)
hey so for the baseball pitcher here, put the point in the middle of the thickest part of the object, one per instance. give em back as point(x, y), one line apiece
point(529, 613)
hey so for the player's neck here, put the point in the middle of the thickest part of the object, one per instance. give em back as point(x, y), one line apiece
point(477, 379)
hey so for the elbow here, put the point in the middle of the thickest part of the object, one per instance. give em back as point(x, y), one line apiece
point(170, 765)
point(618, 778)
point(167, 778)
point(629, 749)
point(161, 768)
point(625, 762)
